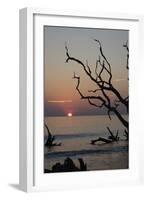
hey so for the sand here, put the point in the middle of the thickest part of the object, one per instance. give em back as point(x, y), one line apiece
point(105, 157)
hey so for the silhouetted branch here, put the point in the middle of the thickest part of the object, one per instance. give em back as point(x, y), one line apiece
point(100, 139)
point(94, 90)
point(111, 138)
point(50, 139)
point(127, 48)
point(104, 85)
point(126, 134)
point(101, 51)
point(89, 70)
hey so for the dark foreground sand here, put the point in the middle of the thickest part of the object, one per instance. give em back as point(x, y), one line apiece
point(107, 157)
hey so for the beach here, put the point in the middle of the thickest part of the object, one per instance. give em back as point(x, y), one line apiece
point(76, 137)
point(98, 157)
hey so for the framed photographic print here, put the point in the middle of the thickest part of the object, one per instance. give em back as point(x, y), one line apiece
point(79, 99)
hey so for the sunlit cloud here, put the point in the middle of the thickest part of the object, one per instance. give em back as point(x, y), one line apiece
point(60, 101)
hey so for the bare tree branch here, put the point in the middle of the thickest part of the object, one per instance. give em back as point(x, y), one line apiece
point(127, 48)
point(111, 138)
point(104, 85)
point(94, 90)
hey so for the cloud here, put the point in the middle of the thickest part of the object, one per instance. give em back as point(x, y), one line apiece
point(59, 101)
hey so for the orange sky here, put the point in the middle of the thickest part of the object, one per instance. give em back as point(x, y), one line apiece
point(60, 96)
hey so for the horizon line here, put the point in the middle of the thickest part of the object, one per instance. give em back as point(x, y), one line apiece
point(81, 115)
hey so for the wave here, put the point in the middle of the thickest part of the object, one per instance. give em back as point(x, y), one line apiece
point(76, 136)
point(111, 150)
point(80, 135)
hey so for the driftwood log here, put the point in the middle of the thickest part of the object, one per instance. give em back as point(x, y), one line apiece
point(101, 140)
point(111, 138)
point(67, 166)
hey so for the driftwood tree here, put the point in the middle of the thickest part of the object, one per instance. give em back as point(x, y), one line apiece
point(101, 75)
point(50, 139)
point(111, 138)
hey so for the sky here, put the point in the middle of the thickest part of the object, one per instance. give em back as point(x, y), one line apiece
point(60, 95)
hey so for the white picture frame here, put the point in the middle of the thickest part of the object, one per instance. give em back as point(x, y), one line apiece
point(31, 176)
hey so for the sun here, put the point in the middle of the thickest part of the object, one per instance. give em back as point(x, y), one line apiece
point(69, 114)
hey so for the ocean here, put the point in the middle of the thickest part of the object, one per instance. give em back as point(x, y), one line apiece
point(76, 132)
